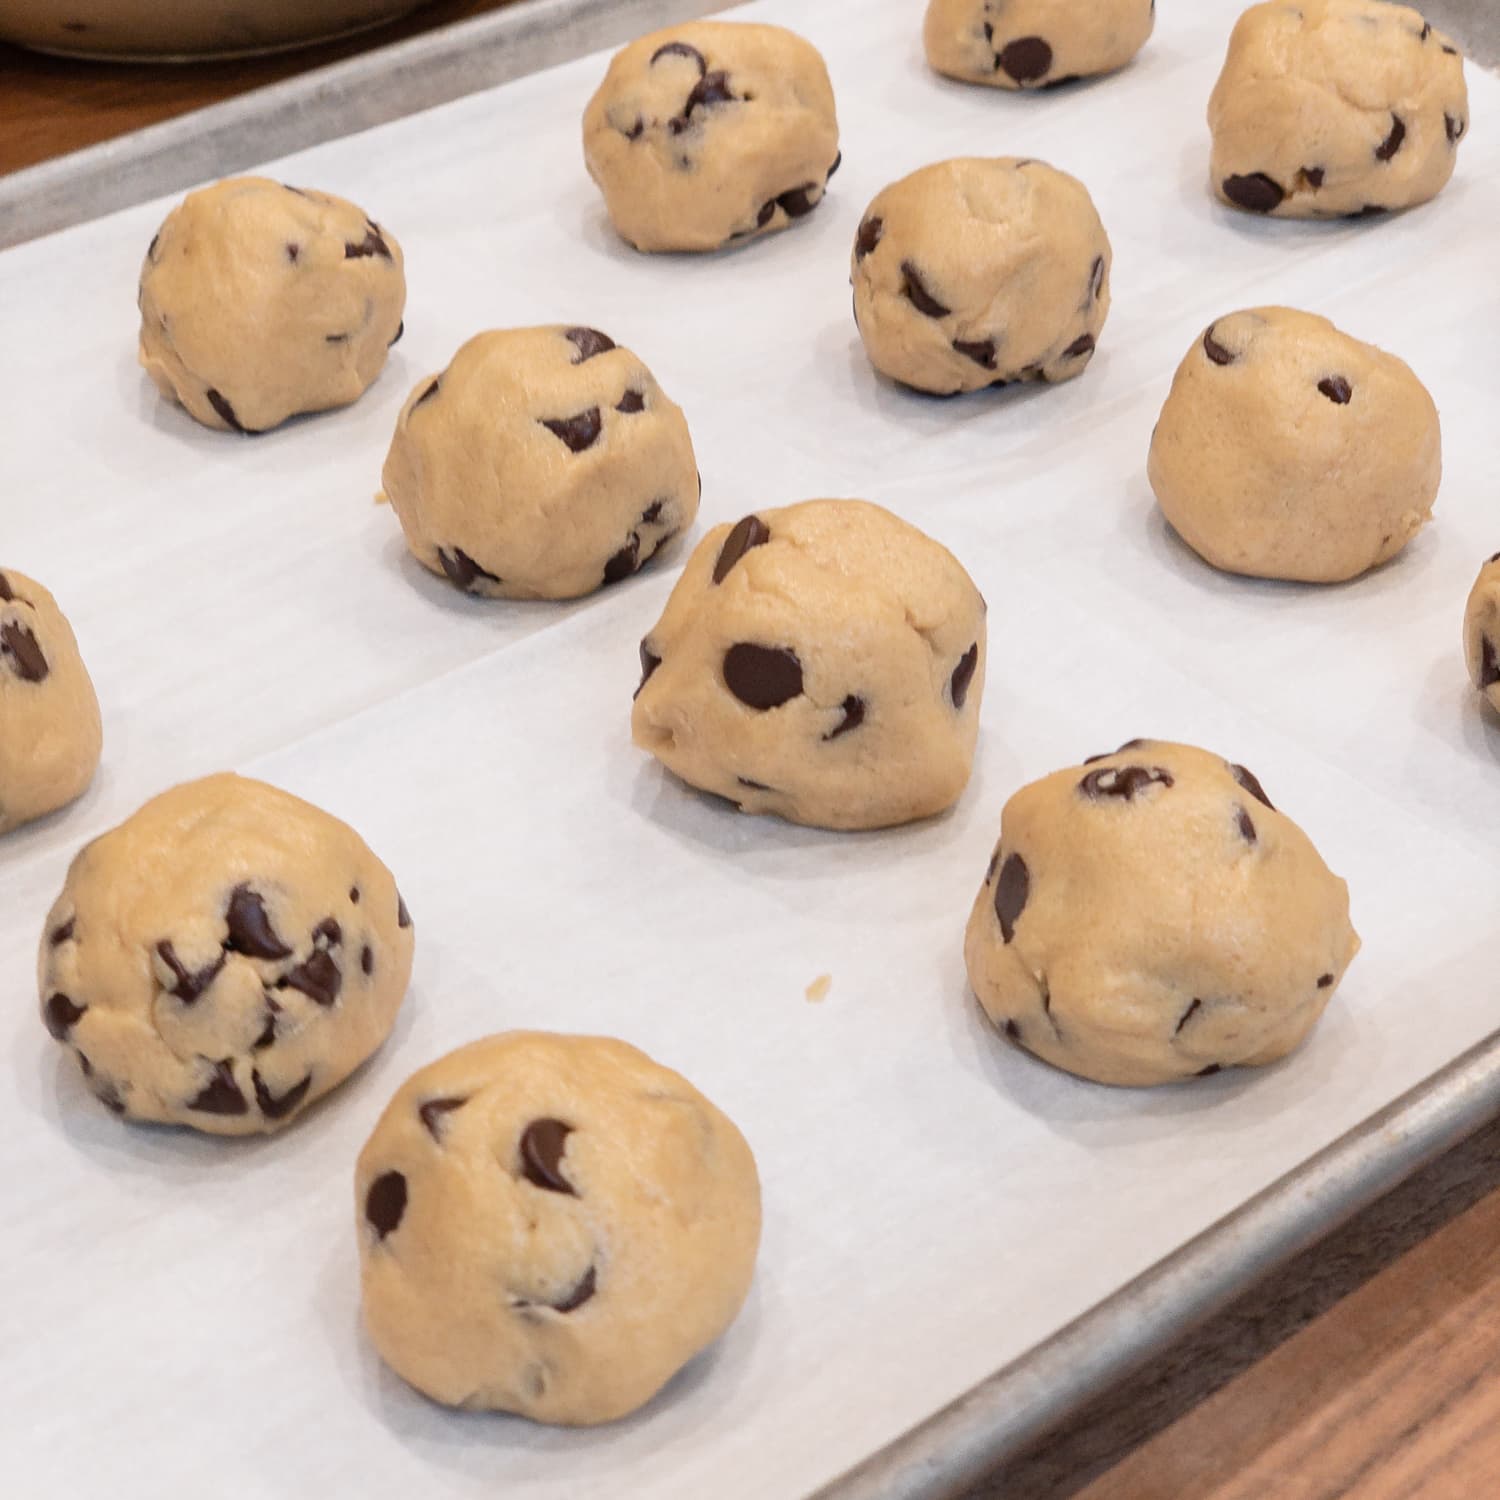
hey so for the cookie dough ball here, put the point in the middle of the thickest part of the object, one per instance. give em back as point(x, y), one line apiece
point(1331, 107)
point(1288, 449)
point(710, 132)
point(552, 1225)
point(541, 464)
point(978, 272)
point(49, 717)
point(224, 957)
point(1029, 44)
point(1149, 916)
point(259, 301)
point(824, 662)
point(1482, 632)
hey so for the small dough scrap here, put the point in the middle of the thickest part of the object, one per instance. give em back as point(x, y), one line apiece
point(223, 958)
point(1482, 632)
point(552, 1225)
point(541, 464)
point(977, 272)
point(1148, 916)
point(1287, 449)
point(1333, 107)
point(1034, 44)
point(50, 734)
point(711, 132)
point(824, 662)
point(261, 301)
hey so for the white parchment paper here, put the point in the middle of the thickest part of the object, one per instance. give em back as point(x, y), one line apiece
point(179, 1315)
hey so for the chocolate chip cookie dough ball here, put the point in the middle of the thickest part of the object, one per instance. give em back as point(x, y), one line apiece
point(978, 272)
point(1030, 44)
point(260, 301)
point(224, 957)
point(49, 717)
point(1482, 632)
point(552, 1225)
point(1287, 449)
point(1149, 916)
point(710, 132)
point(1332, 107)
point(824, 662)
point(541, 464)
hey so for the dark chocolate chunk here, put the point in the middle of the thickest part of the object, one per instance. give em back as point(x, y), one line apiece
point(650, 661)
point(578, 432)
point(61, 1015)
point(854, 716)
point(187, 986)
point(796, 204)
point(1026, 59)
point(868, 237)
point(385, 1203)
point(625, 562)
point(1392, 143)
point(762, 677)
point(588, 342)
point(1083, 344)
point(710, 89)
point(680, 49)
point(221, 1094)
point(749, 532)
point(433, 1110)
point(1187, 1016)
point(426, 395)
point(963, 675)
point(631, 402)
point(1255, 192)
point(274, 1108)
point(981, 351)
point(372, 244)
point(1215, 350)
point(250, 930)
point(1124, 782)
point(60, 935)
point(403, 917)
point(367, 959)
point(329, 930)
point(1454, 127)
point(1251, 784)
point(917, 293)
point(1096, 278)
point(579, 1295)
point(461, 569)
point(1336, 388)
point(1012, 891)
point(1246, 825)
point(542, 1145)
point(221, 405)
point(1312, 177)
point(19, 647)
point(1324, 980)
point(319, 978)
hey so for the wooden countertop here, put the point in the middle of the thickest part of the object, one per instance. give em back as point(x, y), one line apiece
point(1369, 1368)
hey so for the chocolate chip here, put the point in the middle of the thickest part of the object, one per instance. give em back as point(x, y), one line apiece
point(1454, 127)
point(403, 917)
point(60, 935)
point(1215, 350)
point(107, 1094)
point(426, 395)
point(625, 562)
point(1251, 784)
point(1128, 745)
point(19, 647)
point(1246, 825)
point(762, 677)
point(354, 895)
point(981, 351)
point(1210, 1070)
point(994, 864)
point(854, 716)
point(579, 1295)
point(7, 594)
point(650, 661)
point(372, 244)
point(221, 405)
point(250, 930)
point(588, 342)
point(749, 532)
point(754, 786)
point(329, 930)
point(385, 1203)
point(1489, 663)
point(1255, 192)
point(396, 336)
point(267, 1035)
point(1011, 893)
point(1124, 782)
point(151, 248)
point(680, 49)
point(578, 432)
point(1324, 980)
point(319, 978)
point(868, 237)
point(652, 513)
point(766, 214)
point(1312, 177)
point(461, 569)
point(838, 161)
point(1013, 1031)
point(337, 338)
point(1392, 143)
point(221, 1094)
point(542, 1144)
point(85, 1065)
point(710, 89)
point(1026, 59)
point(1096, 278)
point(1057, 83)
point(272, 1107)
point(60, 1015)
point(1187, 1016)
point(367, 959)
point(631, 402)
point(963, 675)
point(920, 298)
point(1425, 32)
point(1371, 211)
point(292, 252)
point(187, 986)
point(433, 1110)
point(1083, 344)
point(1451, 51)
point(796, 204)
point(1336, 388)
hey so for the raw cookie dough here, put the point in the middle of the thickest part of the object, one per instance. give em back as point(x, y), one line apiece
point(1149, 916)
point(1028, 44)
point(49, 717)
point(1287, 449)
point(542, 463)
point(1332, 107)
point(824, 662)
point(552, 1225)
point(1482, 632)
point(224, 957)
point(259, 301)
point(709, 132)
point(978, 272)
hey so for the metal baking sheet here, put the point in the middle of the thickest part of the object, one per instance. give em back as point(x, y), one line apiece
point(939, 1208)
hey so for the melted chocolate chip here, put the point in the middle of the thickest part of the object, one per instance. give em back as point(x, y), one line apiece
point(1336, 388)
point(1251, 784)
point(981, 351)
point(579, 1295)
point(588, 342)
point(426, 395)
point(319, 978)
point(762, 677)
point(385, 1203)
point(578, 432)
point(372, 244)
point(1083, 344)
point(1215, 350)
point(221, 405)
point(19, 647)
point(1392, 143)
point(367, 959)
point(60, 1015)
point(1454, 128)
point(1246, 825)
point(221, 1094)
point(187, 986)
point(680, 49)
point(461, 569)
point(1312, 177)
point(747, 533)
point(60, 935)
point(625, 562)
point(854, 716)
point(1255, 192)
point(1012, 891)
point(433, 1110)
point(650, 661)
point(542, 1144)
point(710, 89)
point(1187, 1016)
point(403, 917)
point(963, 675)
point(1324, 980)
point(1124, 782)
point(1026, 59)
point(250, 930)
point(917, 294)
point(274, 1108)
point(868, 237)
point(796, 204)
point(631, 402)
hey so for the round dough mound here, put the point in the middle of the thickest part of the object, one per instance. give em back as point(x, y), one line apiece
point(224, 957)
point(541, 464)
point(1031, 44)
point(260, 301)
point(977, 272)
point(50, 733)
point(1149, 916)
point(710, 132)
point(552, 1225)
point(824, 662)
point(1287, 449)
point(1333, 107)
point(1482, 632)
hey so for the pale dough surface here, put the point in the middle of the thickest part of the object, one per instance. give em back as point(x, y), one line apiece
point(261, 301)
point(224, 957)
point(1028, 44)
point(977, 272)
point(1482, 632)
point(709, 132)
point(1333, 107)
point(824, 662)
point(1287, 449)
point(50, 733)
point(1148, 916)
point(552, 1225)
point(542, 463)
